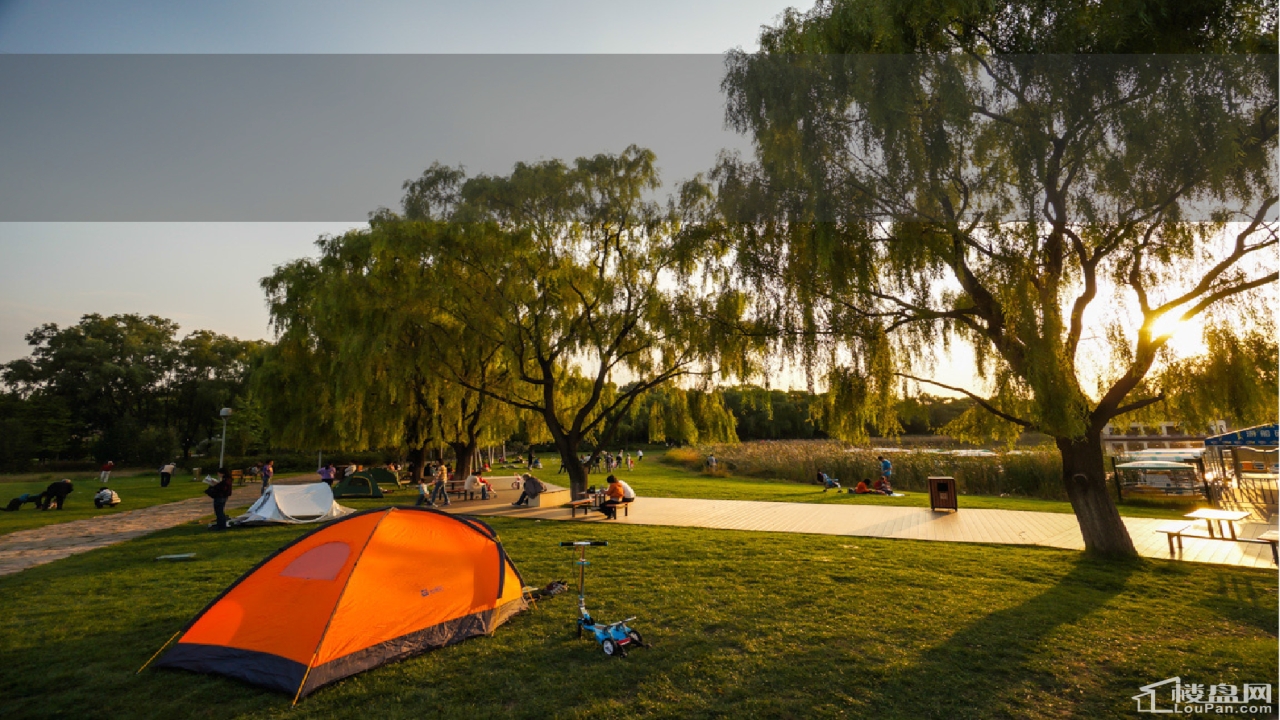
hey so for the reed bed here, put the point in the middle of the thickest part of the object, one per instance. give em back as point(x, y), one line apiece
point(1033, 473)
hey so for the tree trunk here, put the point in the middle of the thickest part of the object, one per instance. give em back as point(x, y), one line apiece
point(1085, 478)
point(463, 454)
point(573, 465)
point(417, 459)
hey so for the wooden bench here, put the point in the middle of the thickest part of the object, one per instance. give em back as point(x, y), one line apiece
point(588, 505)
point(1179, 530)
point(237, 476)
point(1174, 530)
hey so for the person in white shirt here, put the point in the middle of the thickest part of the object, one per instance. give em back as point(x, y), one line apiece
point(628, 495)
point(476, 484)
point(106, 498)
point(166, 474)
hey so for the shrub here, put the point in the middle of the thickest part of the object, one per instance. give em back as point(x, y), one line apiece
point(1028, 473)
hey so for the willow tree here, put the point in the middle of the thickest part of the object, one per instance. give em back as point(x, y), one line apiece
point(582, 281)
point(358, 360)
point(1036, 180)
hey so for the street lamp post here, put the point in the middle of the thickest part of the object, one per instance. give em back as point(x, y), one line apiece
point(225, 413)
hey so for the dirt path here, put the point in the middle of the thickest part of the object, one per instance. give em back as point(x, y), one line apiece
point(37, 546)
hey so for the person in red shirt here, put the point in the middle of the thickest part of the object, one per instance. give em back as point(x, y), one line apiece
point(106, 472)
point(863, 488)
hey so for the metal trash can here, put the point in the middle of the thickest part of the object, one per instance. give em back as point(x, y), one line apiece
point(942, 493)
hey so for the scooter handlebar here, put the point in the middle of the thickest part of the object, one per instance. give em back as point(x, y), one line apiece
point(590, 543)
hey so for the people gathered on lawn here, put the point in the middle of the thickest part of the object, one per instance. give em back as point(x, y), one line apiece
point(53, 496)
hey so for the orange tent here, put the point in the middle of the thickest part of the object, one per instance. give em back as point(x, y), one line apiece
point(371, 588)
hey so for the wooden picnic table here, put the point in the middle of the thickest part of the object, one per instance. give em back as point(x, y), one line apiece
point(1210, 516)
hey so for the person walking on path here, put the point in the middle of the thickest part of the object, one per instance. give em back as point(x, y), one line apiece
point(268, 472)
point(440, 488)
point(326, 474)
point(107, 467)
point(166, 474)
point(220, 492)
point(55, 494)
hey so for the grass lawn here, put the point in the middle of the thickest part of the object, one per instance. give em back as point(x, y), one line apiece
point(657, 479)
point(743, 625)
point(137, 490)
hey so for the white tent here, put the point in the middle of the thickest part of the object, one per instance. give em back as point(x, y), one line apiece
point(292, 504)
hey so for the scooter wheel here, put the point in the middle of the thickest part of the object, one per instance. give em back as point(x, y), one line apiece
point(635, 638)
point(611, 648)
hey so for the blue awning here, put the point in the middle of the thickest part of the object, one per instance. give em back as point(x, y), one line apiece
point(1262, 435)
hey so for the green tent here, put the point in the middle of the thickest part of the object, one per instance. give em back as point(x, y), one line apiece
point(357, 485)
point(382, 476)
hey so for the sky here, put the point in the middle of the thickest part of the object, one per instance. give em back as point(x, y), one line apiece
point(100, 214)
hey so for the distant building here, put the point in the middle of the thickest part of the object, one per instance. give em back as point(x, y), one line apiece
point(1119, 440)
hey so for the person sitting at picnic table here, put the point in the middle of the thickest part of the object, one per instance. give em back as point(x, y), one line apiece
point(24, 498)
point(106, 497)
point(864, 488)
point(55, 494)
point(628, 495)
point(613, 497)
point(531, 489)
point(882, 486)
point(828, 482)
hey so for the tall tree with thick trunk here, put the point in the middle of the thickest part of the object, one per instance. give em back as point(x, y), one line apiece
point(582, 281)
point(1011, 178)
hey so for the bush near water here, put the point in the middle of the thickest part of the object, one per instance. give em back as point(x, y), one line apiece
point(1035, 472)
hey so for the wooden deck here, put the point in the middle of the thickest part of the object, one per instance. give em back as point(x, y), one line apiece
point(1003, 527)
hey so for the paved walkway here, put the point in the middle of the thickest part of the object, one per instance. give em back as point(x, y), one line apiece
point(27, 548)
point(1005, 527)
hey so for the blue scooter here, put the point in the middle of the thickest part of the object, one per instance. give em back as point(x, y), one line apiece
point(614, 638)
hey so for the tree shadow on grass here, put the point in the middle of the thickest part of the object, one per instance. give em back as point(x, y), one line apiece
point(1239, 599)
point(985, 670)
